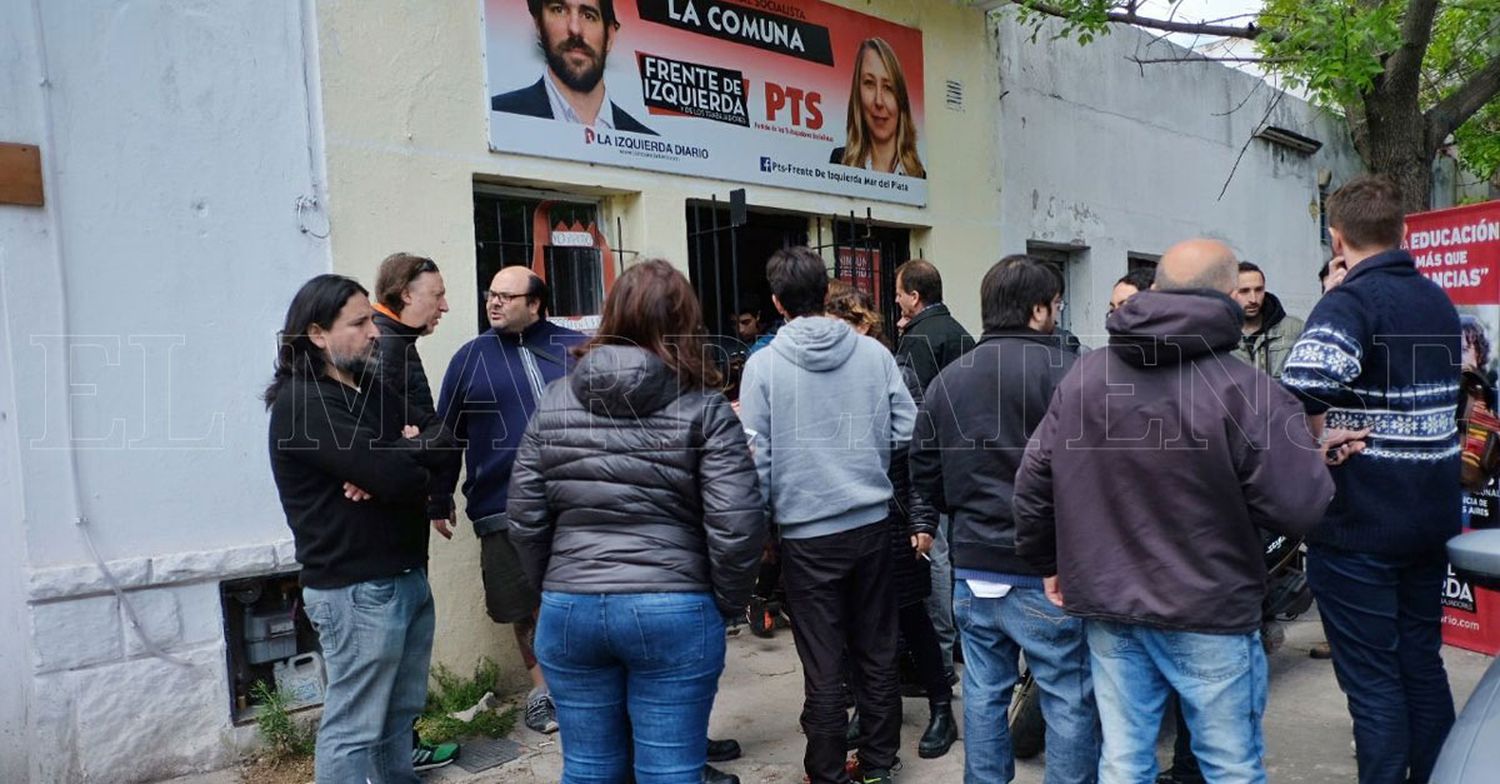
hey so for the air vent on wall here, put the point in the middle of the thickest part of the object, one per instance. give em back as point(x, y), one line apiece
point(1290, 139)
point(955, 95)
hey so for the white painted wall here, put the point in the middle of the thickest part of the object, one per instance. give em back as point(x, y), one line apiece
point(1094, 153)
point(177, 140)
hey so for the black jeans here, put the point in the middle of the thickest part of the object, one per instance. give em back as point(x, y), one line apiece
point(843, 606)
point(1384, 618)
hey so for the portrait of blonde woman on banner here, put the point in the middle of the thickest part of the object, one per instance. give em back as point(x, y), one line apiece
point(881, 135)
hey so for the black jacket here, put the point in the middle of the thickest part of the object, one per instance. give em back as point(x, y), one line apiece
point(323, 434)
point(971, 433)
point(1159, 460)
point(401, 366)
point(933, 338)
point(533, 102)
point(911, 513)
point(625, 483)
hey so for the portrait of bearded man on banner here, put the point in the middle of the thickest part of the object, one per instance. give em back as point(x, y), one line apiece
point(575, 37)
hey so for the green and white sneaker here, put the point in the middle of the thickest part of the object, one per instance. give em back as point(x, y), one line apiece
point(427, 756)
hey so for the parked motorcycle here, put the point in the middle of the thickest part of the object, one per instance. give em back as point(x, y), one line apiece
point(1471, 755)
point(1287, 596)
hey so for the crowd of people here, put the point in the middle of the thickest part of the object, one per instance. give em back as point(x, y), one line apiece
point(936, 496)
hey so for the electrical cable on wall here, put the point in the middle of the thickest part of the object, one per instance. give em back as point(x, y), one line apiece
point(54, 205)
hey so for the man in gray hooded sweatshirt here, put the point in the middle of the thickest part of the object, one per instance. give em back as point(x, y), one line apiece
point(823, 408)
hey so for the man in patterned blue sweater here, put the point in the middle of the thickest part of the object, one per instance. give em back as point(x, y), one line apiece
point(1380, 356)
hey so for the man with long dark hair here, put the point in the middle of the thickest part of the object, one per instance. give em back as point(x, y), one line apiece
point(353, 477)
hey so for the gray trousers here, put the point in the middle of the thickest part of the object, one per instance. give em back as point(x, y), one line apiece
point(940, 601)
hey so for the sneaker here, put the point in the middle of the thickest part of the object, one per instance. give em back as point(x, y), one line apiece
point(876, 776)
point(541, 715)
point(427, 756)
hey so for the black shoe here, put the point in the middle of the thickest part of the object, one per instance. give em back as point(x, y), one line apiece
point(1171, 776)
point(876, 776)
point(712, 775)
point(723, 750)
point(851, 735)
point(941, 732)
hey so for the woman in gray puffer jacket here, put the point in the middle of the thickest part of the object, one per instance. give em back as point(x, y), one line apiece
point(635, 509)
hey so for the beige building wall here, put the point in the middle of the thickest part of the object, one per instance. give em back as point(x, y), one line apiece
point(406, 129)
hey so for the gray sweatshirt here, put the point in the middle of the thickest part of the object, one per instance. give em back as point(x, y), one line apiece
point(825, 407)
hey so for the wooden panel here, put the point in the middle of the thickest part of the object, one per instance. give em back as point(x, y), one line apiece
point(20, 174)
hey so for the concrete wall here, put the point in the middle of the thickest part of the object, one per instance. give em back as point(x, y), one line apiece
point(177, 140)
point(406, 113)
point(1096, 154)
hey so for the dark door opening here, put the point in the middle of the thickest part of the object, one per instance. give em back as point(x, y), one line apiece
point(867, 255)
point(727, 264)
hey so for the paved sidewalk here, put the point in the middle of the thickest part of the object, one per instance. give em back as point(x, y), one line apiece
point(1307, 727)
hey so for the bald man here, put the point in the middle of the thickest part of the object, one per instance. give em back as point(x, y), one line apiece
point(1170, 582)
point(488, 395)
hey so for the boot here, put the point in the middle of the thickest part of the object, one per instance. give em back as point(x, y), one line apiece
point(723, 750)
point(712, 775)
point(941, 731)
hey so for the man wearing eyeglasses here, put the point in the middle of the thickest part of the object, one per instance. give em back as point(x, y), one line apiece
point(488, 395)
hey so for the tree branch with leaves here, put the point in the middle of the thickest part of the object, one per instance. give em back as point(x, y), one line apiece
point(1409, 76)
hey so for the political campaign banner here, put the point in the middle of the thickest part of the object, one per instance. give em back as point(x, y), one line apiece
point(804, 95)
point(1459, 249)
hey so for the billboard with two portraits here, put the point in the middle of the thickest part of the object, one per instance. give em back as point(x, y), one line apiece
point(803, 95)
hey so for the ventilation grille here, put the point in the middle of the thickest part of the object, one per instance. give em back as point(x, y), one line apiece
point(954, 94)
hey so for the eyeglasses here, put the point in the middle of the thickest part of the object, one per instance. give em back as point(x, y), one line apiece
point(501, 297)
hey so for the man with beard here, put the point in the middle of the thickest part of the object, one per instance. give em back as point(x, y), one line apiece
point(1269, 332)
point(575, 37)
point(353, 476)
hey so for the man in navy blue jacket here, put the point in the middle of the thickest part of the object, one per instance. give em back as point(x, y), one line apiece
point(1381, 354)
point(488, 395)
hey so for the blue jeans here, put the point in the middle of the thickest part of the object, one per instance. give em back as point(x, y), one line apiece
point(993, 633)
point(1220, 680)
point(1383, 617)
point(377, 645)
point(631, 674)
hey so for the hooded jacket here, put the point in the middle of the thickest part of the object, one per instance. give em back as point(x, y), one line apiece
point(1268, 347)
point(971, 432)
point(824, 407)
point(626, 483)
point(1158, 458)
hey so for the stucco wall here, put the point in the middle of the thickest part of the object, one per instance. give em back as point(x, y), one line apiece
point(1095, 153)
point(176, 139)
point(406, 113)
